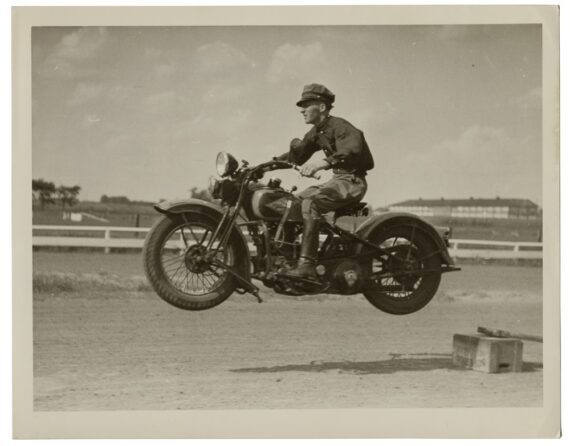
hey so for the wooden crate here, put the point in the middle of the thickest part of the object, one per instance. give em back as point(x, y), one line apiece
point(487, 354)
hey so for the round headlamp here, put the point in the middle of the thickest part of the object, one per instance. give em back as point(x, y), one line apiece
point(225, 164)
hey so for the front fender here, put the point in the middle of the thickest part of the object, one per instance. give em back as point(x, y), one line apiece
point(403, 218)
point(180, 205)
point(215, 212)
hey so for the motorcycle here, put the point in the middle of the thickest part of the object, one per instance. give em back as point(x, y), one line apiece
point(199, 253)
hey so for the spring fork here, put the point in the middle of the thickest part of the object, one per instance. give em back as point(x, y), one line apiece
point(228, 229)
point(217, 231)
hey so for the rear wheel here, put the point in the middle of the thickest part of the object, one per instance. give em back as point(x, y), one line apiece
point(180, 264)
point(407, 277)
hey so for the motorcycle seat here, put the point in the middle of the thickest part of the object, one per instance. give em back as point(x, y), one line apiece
point(350, 223)
point(358, 209)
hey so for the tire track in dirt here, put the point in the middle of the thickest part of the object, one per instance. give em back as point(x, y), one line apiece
point(128, 351)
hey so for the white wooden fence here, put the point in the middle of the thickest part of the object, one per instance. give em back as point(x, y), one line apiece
point(107, 237)
point(486, 249)
point(100, 236)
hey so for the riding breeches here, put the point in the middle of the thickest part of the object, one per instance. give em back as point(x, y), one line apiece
point(340, 191)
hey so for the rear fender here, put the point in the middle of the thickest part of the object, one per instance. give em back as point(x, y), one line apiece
point(181, 206)
point(371, 224)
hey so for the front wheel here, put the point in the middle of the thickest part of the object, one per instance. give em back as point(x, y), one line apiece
point(179, 264)
point(406, 278)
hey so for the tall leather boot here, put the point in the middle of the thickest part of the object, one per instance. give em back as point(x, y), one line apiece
point(305, 268)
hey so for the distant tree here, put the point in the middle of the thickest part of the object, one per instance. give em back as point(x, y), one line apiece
point(104, 199)
point(67, 195)
point(43, 191)
point(201, 194)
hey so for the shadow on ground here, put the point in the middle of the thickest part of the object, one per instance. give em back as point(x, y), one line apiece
point(392, 365)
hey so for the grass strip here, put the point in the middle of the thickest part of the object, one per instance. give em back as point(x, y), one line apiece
point(73, 282)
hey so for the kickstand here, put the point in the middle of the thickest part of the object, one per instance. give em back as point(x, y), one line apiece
point(256, 294)
point(248, 286)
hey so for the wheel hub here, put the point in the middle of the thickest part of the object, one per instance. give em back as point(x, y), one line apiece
point(196, 259)
point(403, 262)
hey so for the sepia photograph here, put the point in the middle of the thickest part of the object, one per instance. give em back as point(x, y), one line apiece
point(349, 213)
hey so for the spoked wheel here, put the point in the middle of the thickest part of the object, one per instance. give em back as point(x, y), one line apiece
point(407, 277)
point(182, 263)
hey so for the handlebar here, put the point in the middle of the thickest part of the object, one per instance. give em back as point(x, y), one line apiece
point(273, 165)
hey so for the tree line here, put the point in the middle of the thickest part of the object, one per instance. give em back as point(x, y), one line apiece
point(46, 192)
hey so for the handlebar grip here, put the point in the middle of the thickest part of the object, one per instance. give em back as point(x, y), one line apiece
point(298, 169)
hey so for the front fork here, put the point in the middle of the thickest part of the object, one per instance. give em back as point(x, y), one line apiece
point(223, 232)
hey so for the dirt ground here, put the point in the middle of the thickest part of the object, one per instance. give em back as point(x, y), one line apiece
point(130, 350)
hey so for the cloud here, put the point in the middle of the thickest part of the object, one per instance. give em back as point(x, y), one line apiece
point(85, 93)
point(478, 150)
point(231, 122)
point(221, 58)
point(90, 120)
point(475, 143)
point(482, 161)
point(371, 118)
point(152, 53)
point(481, 155)
point(461, 33)
point(164, 71)
point(71, 56)
point(81, 44)
point(159, 101)
point(298, 62)
point(117, 142)
point(220, 128)
point(341, 35)
point(223, 94)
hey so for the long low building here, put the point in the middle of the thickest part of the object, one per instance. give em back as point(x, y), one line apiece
point(470, 208)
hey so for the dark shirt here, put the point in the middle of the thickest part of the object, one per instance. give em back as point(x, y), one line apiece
point(344, 145)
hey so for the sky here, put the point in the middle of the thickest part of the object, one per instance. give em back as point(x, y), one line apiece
point(448, 111)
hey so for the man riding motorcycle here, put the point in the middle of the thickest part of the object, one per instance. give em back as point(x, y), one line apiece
point(198, 253)
point(346, 152)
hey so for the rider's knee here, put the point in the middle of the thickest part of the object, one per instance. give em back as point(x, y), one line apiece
point(310, 209)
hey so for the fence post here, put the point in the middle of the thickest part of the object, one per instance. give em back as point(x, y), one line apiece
point(137, 223)
point(454, 250)
point(107, 237)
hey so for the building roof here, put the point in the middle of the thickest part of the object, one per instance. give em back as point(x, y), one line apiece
point(510, 202)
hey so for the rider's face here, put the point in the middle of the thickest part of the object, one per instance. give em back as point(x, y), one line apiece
point(313, 112)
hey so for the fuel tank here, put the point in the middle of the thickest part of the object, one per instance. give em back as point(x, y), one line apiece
point(270, 203)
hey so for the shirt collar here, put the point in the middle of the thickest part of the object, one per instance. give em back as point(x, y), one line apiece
point(323, 125)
